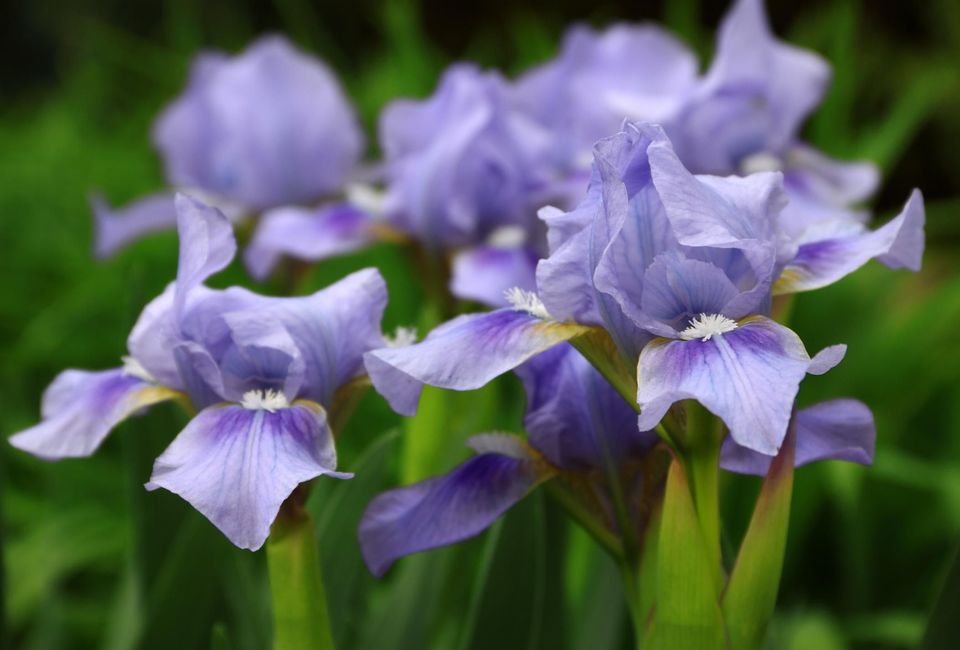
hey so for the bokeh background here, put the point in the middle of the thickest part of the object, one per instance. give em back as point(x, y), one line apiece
point(91, 560)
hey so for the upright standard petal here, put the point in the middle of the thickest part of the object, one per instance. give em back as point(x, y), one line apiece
point(306, 234)
point(446, 509)
point(485, 273)
point(747, 376)
point(116, 228)
point(80, 408)
point(268, 127)
point(207, 245)
point(463, 354)
point(840, 429)
point(237, 465)
point(829, 257)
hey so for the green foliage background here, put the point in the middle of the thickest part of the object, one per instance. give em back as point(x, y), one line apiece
point(90, 560)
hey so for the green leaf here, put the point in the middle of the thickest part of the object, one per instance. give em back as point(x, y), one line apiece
point(751, 594)
point(944, 625)
point(687, 614)
point(300, 617)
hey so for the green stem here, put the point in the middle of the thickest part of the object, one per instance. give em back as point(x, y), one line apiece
point(631, 591)
point(300, 618)
point(702, 457)
point(585, 518)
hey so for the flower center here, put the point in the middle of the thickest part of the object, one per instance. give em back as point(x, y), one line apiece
point(264, 400)
point(706, 326)
point(401, 338)
point(527, 301)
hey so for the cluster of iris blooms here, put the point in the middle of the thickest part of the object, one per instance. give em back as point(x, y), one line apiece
point(636, 227)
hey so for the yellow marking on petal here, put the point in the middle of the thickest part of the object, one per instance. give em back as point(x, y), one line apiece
point(790, 281)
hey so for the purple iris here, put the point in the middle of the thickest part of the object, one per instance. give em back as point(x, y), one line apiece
point(576, 425)
point(269, 127)
point(262, 373)
point(583, 435)
point(745, 116)
point(599, 79)
point(464, 173)
point(679, 271)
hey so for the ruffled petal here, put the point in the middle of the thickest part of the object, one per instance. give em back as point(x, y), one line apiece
point(237, 465)
point(840, 429)
point(897, 244)
point(446, 509)
point(306, 234)
point(80, 408)
point(485, 273)
point(748, 377)
point(207, 245)
point(115, 228)
point(463, 354)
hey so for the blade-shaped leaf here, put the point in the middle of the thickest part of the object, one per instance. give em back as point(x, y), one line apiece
point(687, 614)
point(751, 593)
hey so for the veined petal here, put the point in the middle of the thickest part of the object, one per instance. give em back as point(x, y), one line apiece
point(840, 429)
point(445, 509)
point(306, 234)
point(463, 354)
point(485, 273)
point(897, 244)
point(207, 245)
point(237, 465)
point(80, 408)
point(748, 377)
point(116, 228)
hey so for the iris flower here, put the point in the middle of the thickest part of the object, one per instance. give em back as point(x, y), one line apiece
point(270, 127)
point(677, 271)
point(579, 431)
point(262, 373)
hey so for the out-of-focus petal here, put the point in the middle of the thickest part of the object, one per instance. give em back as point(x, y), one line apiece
point(115, 228)
point(268, 127)
point(306, 234)
point(840, 429)
point(80, 408)
point(446, 509)
point(485, 273)
point(897, 244)
point(237, 465)
point(463, 354)
point(748, 377)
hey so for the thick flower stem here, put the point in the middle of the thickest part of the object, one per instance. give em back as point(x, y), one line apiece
point(300, 618)
point(702, 458)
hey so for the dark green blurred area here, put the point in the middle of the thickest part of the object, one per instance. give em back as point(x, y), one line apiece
point(92, 560)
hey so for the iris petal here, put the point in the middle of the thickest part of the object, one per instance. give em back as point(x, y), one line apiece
point(237, 466)
point(748, 377)
point(840, 429)
point(445, 509)
point(80, 408)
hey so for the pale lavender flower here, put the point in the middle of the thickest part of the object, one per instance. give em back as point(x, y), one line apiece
point(262, 373)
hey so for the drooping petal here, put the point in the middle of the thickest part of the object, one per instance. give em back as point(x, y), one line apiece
point(463, 354)
point(574, 416)
point(207, 245)
point(748, 377)
point(115, 228)
point(485, 273)
point(306, 234)
point(237, 465)
point(445, 509)
point(80, 408)
point(821, 262)
point(840, 429)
